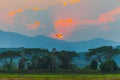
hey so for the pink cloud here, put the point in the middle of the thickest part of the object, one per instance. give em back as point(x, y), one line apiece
point(109, 16)
point(104, 18)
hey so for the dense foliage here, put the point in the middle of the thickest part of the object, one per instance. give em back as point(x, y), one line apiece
point(42, 60)
point(38, 59)
point(93, 65)
point(109, 66)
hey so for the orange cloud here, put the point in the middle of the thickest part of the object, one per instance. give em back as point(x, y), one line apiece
point(36, 8)
point(33, 26)
point(64, 3)
point(65, 27)
point(12, 13)
point(70, 2)
point(75, 1)
point(19, 10)
point(37, 23)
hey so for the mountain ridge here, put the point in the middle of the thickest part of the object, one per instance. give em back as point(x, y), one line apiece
point(11, 39)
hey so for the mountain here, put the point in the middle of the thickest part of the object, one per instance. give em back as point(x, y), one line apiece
point(98, 42)
point(15, 40)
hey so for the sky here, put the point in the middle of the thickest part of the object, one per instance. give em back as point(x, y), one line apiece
point(69, 20)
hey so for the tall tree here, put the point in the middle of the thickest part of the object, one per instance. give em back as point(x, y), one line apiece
point(102, 53)
point(66, 58)
point(8, 56)
point(37, 56)
point(21, 64)
point(109, 66)
point(53, 58)
point(93, 65)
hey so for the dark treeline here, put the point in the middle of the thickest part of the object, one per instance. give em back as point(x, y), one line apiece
point(36, 60)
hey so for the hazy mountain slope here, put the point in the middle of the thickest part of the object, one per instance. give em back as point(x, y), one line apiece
point(11, 39)
point(98, 42)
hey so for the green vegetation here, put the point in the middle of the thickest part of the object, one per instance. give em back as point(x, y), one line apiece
point(104, 56)
point(93, 65)
point(109, 66)
point(60, 77)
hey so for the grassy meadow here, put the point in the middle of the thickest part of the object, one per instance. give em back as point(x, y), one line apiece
point(59, 76)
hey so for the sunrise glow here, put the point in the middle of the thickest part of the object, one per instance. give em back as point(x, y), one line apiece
point(59, 36)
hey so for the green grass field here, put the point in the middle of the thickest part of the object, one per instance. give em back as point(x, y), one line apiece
point(59, 77)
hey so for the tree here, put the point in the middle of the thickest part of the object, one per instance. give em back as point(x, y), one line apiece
point(66, 58)
point(109, 66)
point(8, 56)
point(21, 64)
point(44, 63)
point(29, 66)
point(93, 65)
point(102, 53)
point(38, 58)
point(53, 58)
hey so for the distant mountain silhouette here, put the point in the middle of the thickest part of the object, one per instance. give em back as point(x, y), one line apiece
point(15, 40)
point(98, 42)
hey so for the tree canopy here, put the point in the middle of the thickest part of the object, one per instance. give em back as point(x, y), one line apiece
point(102, 53)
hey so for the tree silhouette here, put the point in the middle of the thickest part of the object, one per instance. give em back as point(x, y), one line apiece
point(109, 66)
point(66, 57)
point(53, 58)
point(9, 54)
point(102, 53)
point(93, 65)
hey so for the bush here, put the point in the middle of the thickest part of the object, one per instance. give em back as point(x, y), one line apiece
point(109, 66)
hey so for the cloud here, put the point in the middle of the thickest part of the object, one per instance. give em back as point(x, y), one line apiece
point(13, 13)
point(65, 3)
point(33, 26)
point(9, 8)
point(109, 16)
point(104, 18)
point(26, 4)
point(36, 8)
point(67, 26)
point(64, 26)
point(58, 17)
